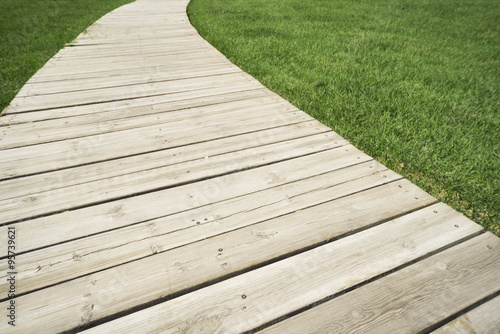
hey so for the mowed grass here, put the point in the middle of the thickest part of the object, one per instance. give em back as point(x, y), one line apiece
point(414, 84)
point(33, 31)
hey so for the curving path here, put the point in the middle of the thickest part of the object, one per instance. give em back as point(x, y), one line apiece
point(150, 185)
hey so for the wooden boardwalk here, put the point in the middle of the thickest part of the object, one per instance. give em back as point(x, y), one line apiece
point(151, 186)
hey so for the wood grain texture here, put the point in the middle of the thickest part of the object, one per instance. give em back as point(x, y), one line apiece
point(255, 298)
point(484, 319)
point(99, 218)
point(96, 148)
point(156, 187)
point(92, 96)
point(40, 132)
point(129, 108)
point(160, 275)
point(413, 298)
point(57, 263)
point(194, 155)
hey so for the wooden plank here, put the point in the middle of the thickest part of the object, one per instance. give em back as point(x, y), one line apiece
point(167, 61)
point(135, 107)
point(145, 37)
point(38, 183)
point(91, 54)
point(482, 319)
point(132, 72)
point(108, 216)
point(79, 151)
point(126, 185)
point(119, 35)
point(414, 298)
point(24, 104)
point(79, 301)
point(43, 132)
point(171, 59)
point(118, 30)
point(263, 295)
point(155, 75)
point(178, 46)
point(104, 119)
point(145, 32)
point(174, 43)
point(45, 75)
point(233, 189)
point(51, 265)
point(136, 44)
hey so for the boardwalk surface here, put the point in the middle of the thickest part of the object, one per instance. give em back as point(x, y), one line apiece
point(153, 186)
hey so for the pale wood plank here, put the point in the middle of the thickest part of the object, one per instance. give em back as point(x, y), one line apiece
point(138, 249)
point(483, 319)
point(104, 217)
point(172, 43)
point(153, 48)
point(175, 44)
point(55, 264)
point(23, 104)
point(167, 61)
point(38, 183)
point(139, 106)
point(132, 70)
point(414, 298)
point(296, 282)
point(156, 75)
point(86, 56)
point(75, 127)
point(90, 55)
point(125, 185)
point(144, 37)
point(117, 289)
point(79, 151)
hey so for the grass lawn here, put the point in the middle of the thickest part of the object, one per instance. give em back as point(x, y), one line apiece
point(414, 84)
point(32, 31)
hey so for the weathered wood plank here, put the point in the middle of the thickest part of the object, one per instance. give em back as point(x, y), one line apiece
point(167, 61)
point(96, 82)
point(101, 147)
point(414, 298)
point(255, 298)
point(104, 217)
point(132, 71)
point(170, 57)
point(51, 265)
point(212, 149)
point(117, 289)
point(126, 185)
point(43, 132)
point(175, 56)
point(173, 44)
point(135, 107)
point(178, 171)
point(483, 319)
point(172, 47)
point(145, 37)
point(23, 104)
point(49, 73)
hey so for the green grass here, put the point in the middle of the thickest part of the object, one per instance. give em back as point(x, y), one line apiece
point(415, 84)
point(33, 31)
